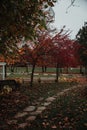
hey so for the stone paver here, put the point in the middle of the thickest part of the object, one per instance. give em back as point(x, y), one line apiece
point(46, 104)
point(35, 113)
point(50, 99)
point(41, 108)
point(22, 125)
point(12, 122)
point(29, 108)
point(22, 114)
point(31, 118)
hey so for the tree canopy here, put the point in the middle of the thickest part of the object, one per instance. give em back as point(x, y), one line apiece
point(20, 18)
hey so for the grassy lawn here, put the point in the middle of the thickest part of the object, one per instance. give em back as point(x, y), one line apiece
point(68, 112)
point(16, 101)
point(39, 70)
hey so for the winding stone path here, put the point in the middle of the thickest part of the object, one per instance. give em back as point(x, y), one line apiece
point(30, 113)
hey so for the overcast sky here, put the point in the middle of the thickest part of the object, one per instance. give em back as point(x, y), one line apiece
point(73, 18)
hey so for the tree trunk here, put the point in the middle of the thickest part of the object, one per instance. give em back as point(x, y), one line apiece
point(42, 69)
point(81, 72)
point(57, 73)
point(67, 71)
point(32, 75)
point(45, 69)
point(27, 68)
point(61, 71)
point(5, 71)
point(12, 68)
point(86, 70)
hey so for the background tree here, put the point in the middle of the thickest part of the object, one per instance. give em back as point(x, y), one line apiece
point(33, 53)
point(65, 51)
point(82, 40)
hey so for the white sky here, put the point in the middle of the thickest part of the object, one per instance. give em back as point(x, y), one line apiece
point(74, 18)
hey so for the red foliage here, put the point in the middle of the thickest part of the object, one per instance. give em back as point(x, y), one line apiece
point(51, 51)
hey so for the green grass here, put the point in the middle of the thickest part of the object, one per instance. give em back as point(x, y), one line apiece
point(21, 72)
point(39, 69)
